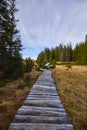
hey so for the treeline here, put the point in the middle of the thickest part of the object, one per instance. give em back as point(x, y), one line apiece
point(63, 53)
point(11, 63)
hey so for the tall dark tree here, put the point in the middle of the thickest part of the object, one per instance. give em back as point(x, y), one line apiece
point(64, 53)
point(69, 53)
point(4, 21)
point(47, 54)
point(52, 55)
point(10, 39)
point(76, 53)
point(61, 53)
point(56, 53)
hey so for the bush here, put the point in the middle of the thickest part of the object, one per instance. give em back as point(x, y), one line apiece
point(21, 84)
point(69, 66)
point(37, 68)
point(29, 64)
point(27, 79)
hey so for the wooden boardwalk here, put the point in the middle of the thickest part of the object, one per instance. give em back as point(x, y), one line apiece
point(42, 109)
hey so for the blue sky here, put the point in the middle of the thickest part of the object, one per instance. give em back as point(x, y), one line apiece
point(47, 23)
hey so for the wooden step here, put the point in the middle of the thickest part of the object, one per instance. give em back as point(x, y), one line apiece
point(42, 103)
point(40, 126)
point(43, 108)
point(38, 112)
point(40, 119)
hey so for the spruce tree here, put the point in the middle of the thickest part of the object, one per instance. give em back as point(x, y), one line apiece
point(69, 53)
point(56, 53)
point(10, 40)
point(47, 54)
point(52, 55)
point(41, 60)
point(4, 16)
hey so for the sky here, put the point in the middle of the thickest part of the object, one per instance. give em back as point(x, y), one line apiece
point(47, 23)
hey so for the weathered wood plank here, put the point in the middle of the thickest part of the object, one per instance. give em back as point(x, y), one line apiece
point(40, 126)
point(42, 98)
point(44, 94)
point(37, 112)
point(42, 103)
point(43, 108)
point(40, 119)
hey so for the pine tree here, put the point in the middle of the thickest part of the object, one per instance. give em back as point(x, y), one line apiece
point(41, 60)
point(4, 16)
point(10, 40)
point(61, 53)
point(56, 53)
point(52, 55)
point(69, 53)
point(47, 54)
point(64, 53)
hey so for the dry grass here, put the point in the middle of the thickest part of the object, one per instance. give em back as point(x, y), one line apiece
point(12, 96)
point(72, 88)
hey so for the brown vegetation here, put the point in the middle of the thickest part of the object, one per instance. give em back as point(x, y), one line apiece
point(72, 88)
point(12, 96)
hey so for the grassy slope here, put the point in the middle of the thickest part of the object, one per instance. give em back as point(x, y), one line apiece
point(12, 96)
point(72, 88)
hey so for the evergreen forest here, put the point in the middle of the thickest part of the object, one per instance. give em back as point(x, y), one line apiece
point(64, 54)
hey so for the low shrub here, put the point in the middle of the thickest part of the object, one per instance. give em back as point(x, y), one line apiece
point(27, 79)
point(69, 66)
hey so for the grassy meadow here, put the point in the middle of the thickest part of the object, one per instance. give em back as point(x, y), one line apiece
point(71, 85)
point(12, 95)
point(72, 88)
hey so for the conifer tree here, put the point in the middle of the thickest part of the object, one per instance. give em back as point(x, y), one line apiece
point(41, 60)
point(4, 16)
point(47, 54)
point(52, 55)
point(69, 53)
point(56, 53)
point(12, 59)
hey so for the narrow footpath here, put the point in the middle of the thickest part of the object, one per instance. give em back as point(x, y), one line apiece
point(42, 109)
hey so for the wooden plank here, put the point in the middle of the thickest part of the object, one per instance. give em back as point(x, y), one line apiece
point(43, 108)
point(42, 103)
point(40, 126)
point(37, 112)
point(41, 98)
point(43, 94)
point(40, 119)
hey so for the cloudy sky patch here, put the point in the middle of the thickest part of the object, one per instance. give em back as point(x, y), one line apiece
point(47, 23)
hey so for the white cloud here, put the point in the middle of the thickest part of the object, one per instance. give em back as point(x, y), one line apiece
point(23, 30)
